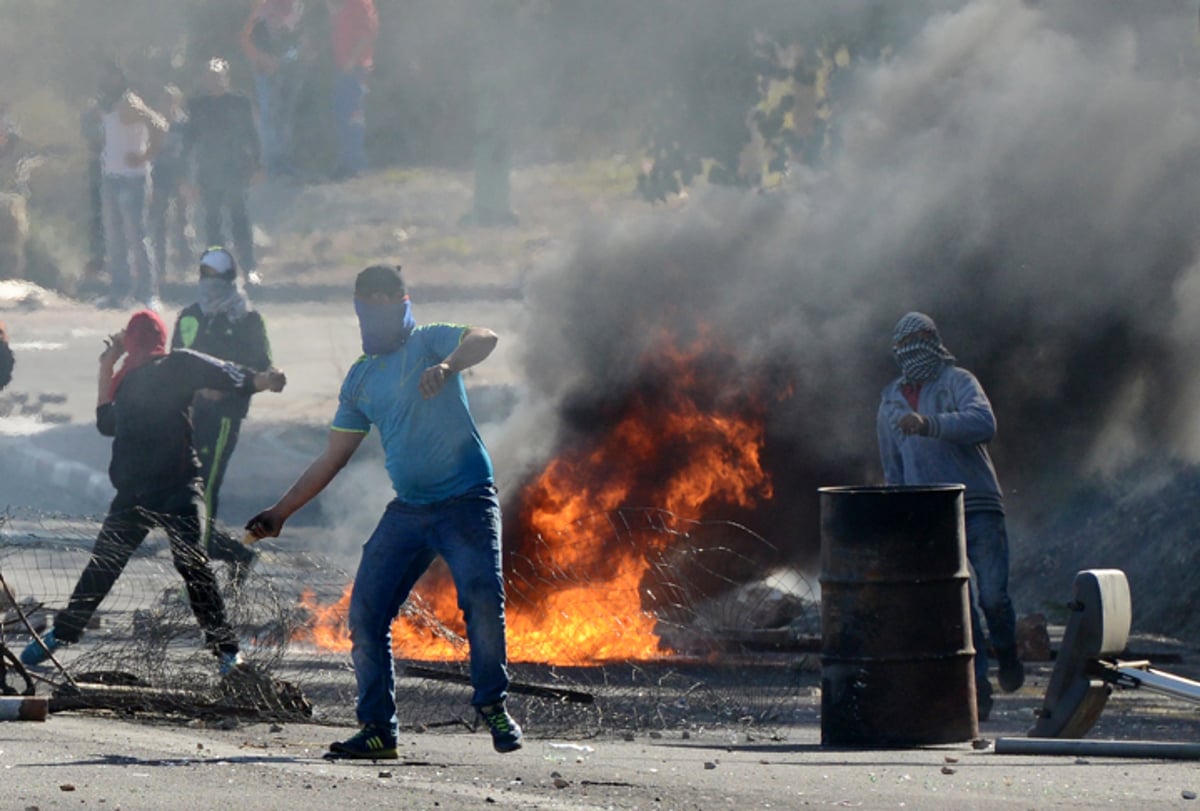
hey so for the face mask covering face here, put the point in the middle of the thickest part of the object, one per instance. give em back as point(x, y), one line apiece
point(385, 326)
point(920, 359)
point(219, 295)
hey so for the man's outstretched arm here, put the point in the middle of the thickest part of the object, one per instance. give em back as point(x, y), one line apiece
point(340, 447)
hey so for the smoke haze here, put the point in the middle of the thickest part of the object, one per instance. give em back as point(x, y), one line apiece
point(1024, 173)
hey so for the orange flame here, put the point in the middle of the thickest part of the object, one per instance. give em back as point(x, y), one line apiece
point(664, 449)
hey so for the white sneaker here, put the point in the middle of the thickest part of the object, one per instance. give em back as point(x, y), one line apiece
point(154, 303)
point(254, 278)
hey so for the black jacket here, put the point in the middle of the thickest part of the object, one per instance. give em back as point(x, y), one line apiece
point(243, 341)
point(150, 422)
point(221, 139)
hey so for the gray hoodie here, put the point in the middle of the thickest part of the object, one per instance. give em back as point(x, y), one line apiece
point(961, 424)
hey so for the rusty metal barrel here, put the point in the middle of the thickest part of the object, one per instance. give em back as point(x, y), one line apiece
point(897, 664)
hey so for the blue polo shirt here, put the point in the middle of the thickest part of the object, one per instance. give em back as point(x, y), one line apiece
point(432, 447)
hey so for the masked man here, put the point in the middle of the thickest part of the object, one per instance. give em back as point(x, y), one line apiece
point(221, 323)
point(934, 425)
point(408, 383)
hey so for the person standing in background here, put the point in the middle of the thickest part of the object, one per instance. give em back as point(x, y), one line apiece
point(222, 152)
point(354, 26)
point(168, 203)
point(133, 134)
point(272, 40)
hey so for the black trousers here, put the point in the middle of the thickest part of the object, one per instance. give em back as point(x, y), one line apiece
point(167, 215)
point(180, 512)
point(216, 425)
point(95, 217)
point(220, 200)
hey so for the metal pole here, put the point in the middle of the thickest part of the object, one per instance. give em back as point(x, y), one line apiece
point(1149, 750)
point(1158, 682)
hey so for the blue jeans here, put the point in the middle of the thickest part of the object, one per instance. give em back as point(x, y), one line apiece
point(276, 112)
point(465, 531)
point(987, 551)
point(123, 206)
point(350, 121)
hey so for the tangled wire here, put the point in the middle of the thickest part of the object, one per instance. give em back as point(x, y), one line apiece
point(734, 644)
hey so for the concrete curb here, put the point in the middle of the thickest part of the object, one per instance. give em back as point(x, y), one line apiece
point(37, 464)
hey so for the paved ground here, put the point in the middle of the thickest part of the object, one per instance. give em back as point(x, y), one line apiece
point(103, 762)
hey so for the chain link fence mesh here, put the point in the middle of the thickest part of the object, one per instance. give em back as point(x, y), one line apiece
point(735, 646)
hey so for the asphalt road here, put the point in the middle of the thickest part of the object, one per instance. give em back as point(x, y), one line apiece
point(104, 762)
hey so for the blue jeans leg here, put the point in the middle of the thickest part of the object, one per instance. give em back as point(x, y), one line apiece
point(350, 121)
point(393, 559)
point(468, 538)
point(116, 252)
point(264, 86)
point(276, 110)
point(465, 531)
point(124, 211)
point(987, 551)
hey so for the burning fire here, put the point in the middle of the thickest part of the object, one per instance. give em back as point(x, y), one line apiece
point(689, 440)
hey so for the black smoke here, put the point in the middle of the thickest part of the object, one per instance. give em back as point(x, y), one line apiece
point(1025, 173)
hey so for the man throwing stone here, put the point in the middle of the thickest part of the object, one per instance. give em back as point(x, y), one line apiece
point(409, 385)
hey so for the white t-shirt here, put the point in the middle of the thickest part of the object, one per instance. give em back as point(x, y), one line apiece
point(122, 139)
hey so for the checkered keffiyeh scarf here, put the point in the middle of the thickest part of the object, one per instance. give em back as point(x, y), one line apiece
point(921, 359)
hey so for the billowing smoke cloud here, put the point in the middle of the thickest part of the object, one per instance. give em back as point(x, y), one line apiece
point(1025, 173)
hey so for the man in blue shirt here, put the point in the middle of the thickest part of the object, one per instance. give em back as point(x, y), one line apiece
point(933, 426)
point(409, 385)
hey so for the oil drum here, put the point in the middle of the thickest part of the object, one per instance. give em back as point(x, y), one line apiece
point(896, 651)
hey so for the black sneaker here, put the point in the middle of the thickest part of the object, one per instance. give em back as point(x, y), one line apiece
point(506, 734)
point(1012, 672)
point(369, 743)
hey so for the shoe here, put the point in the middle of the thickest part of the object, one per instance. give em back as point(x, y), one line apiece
point(35, 654)
point(506, 735)
point(983, 702)
point(1012, 672)
point(369, 743)
point(153, 303)
point(229, 662)
point(254, 279)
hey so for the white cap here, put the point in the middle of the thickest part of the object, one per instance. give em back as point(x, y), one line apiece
point(219, 260)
